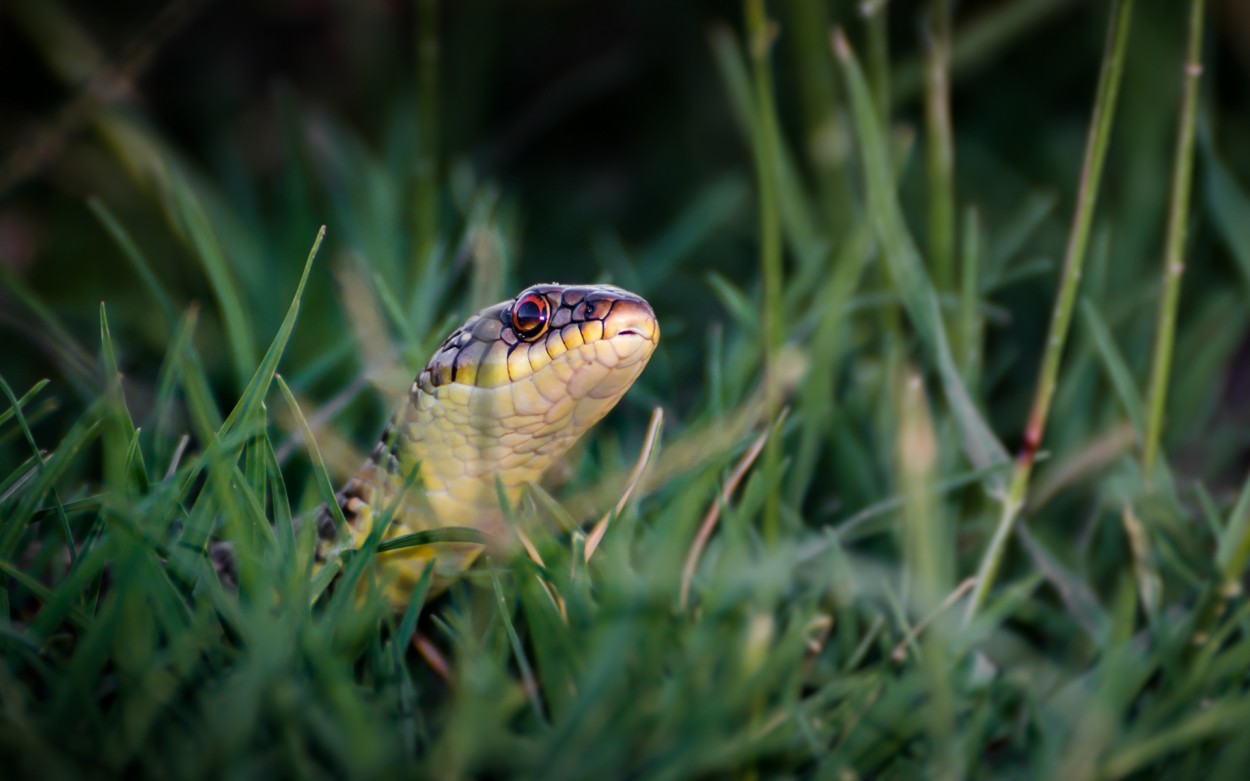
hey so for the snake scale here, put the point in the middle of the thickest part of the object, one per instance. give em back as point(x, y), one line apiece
point(501, 400)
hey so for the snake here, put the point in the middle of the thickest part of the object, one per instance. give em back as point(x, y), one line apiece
point(501, 400)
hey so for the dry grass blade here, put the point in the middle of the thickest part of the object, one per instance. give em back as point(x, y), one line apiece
point(900, 651)
point(635, 477)
point(713, 514)
point(1149, 584)
point(432, 656)
point(1088, 460)
point(531, 550)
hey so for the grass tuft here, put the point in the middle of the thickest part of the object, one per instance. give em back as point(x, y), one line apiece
point(811, 563)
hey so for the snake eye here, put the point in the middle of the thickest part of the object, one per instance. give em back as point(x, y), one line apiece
point(529, 316)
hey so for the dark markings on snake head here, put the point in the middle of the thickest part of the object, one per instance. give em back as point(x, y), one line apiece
point(561, 318)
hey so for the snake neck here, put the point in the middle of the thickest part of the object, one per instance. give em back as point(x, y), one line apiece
point(493, 409)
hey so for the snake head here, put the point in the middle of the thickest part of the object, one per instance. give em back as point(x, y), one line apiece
point(583, 316)
point(518, 383)
point(594, 343)
point(569, 341)
point(504, 397)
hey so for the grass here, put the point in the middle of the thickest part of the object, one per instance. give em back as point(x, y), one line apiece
point(893, 526)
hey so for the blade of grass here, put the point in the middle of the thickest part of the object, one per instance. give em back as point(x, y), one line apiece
point(939, 145)
point(1078, 239)
point(23, 402)
point(321, 476)
point(761, 32)
point(207, 246)
point(1116, 367)
point(254, 394)
point(1229, 206)
point(132, 253)
point(1174, 255)
point(425, 199)
point(51, 330)
point(969, 320)
point(530, 683)
point(909, 278)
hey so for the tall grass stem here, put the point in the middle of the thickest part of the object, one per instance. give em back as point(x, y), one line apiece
point(939, 146)
point(1061, 316)
point(761, 33)
point(1174, 252)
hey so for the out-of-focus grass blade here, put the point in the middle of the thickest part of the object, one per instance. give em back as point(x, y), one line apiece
point(431, 536)
point(796, 217)
point(132, 253)
point(207, 246)
point(84, 431)
point(1234, 544)
point(1228, 204)
point(44, 594)
point(78, 363)
point(254, 393)
point(555, 652)
point(1116, 367)
point(518, 651)
point(24, 472)
point(828, 345)
point(284, 524)
point(1195, 729)
point(919, 297)
point(205, 415)
point(23, 401)
point(1080, 599)
point(321, 477)
point(1210, 345)
point(408, 624)
point(707, 213)
point(1011, 238)
point(737, 302)
point(132, 465)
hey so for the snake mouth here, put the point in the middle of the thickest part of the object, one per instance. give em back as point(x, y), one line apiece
point(632, 317)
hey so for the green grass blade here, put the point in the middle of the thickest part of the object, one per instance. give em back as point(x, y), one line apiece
point(919, 298)
point(212, 257)
point(132, 254)
point(254, 394)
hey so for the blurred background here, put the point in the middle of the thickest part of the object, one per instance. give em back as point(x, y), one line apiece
point(165, 168)
point(574, 141)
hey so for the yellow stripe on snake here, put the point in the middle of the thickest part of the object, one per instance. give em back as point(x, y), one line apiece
point(501, 400)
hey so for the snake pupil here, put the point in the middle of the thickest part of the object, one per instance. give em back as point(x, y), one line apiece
point(529, 316)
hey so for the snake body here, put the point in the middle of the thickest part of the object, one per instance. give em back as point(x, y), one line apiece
point(502, 399)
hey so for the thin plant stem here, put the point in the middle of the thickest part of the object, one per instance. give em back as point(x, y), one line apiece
point(927, 562)
point(939, 147)
point(426, 189)
point(1061, 316)
point(969, 330)
point(879, 55)
point(979, 40)
point(1174, 252)
point(806, 24)
point(760, 35)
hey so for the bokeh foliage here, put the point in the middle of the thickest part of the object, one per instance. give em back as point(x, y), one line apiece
point(838, 282)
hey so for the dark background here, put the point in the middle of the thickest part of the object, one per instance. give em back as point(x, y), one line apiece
point(594, 120)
